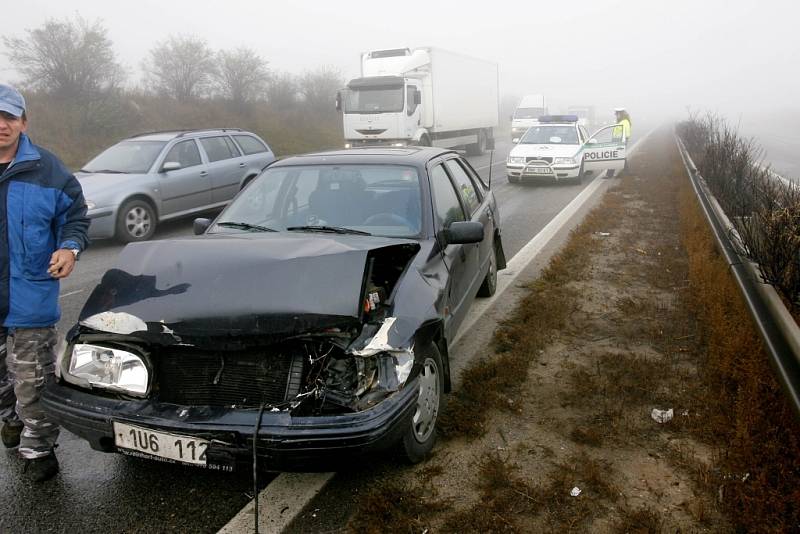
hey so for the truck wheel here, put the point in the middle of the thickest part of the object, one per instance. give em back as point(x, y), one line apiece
point(424, 141)
point(419, 437)
point(136, 221)
point(477, 149)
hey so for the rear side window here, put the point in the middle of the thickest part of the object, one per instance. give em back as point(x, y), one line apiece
point(219, 148)
point(445, 200)
point(250, 145)
point(464, 185)
point(185, 153)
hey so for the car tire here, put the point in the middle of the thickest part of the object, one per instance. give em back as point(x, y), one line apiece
point(136, 221)
point(420, 436)
point(513, 179)
point(489, 285)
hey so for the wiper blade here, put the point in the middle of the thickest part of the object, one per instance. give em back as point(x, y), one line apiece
point(246, 226)
point(325, 228)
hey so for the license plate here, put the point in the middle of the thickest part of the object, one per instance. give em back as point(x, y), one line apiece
point(538, 170)
point(174, 447)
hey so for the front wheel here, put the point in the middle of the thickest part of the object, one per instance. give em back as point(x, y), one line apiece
point(136, 221)
point(420, 435)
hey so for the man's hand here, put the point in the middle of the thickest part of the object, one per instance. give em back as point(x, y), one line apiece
point(61, 263)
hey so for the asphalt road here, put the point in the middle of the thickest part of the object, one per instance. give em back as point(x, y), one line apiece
point(97, 492)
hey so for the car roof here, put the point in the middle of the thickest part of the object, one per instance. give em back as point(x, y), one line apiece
point(169, 135)
point(418, 156)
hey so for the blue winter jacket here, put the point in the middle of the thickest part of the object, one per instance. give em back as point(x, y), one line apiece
point(41, 209)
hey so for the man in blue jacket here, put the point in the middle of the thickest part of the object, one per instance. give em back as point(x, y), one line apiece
point(43, 228)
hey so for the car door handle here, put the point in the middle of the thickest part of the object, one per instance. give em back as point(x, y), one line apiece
point(203, 173)
point(242, 165)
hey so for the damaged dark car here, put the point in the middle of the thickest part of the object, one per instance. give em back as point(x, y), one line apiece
point(311, 319)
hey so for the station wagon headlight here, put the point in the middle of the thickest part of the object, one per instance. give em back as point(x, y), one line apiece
point(518, 160)
point(107, 368)
point(568, 161)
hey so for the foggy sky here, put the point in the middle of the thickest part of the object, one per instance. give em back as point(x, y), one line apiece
point(655, 58)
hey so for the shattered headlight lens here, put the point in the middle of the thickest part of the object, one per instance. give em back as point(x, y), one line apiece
point(516, 160)
point(107, 368)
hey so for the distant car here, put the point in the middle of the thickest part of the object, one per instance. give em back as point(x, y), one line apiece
point(316, 312)
point(141, 181)
point(557, 148)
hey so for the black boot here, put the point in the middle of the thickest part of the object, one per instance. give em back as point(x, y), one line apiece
point(10, 433)
point(41, 469)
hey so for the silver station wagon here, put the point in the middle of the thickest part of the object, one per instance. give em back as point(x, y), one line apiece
point(153, 177)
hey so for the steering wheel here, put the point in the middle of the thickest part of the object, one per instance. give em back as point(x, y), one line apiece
point(387, 219)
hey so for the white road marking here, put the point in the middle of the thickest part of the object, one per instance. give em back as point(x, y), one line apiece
point(71, 293)
point(286, 496)
point(278, 503)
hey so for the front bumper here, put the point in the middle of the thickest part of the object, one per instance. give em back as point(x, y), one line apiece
point(285, 443)
point(102, 223)
point(554, 172)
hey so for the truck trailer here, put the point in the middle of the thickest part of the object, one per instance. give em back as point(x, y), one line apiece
point(425, 96)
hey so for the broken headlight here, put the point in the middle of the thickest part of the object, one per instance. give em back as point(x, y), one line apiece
point(107, 368)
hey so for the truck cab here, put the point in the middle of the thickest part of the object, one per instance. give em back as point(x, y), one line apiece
point(426, 96)
point(530, 108)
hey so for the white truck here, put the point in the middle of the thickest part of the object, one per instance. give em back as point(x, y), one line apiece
point(530, 108)
point(426, 96)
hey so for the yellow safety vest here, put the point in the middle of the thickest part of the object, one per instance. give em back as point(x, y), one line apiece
point(623, 129)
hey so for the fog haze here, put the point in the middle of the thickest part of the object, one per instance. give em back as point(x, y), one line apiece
point(657, 59)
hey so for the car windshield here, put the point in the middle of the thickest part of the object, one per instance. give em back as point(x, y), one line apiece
point(528, 113)
point(550, 135)
point(374, 99)
point(126, 157)
point(376, 199)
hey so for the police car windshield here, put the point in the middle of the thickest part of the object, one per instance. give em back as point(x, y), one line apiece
point(550, 135)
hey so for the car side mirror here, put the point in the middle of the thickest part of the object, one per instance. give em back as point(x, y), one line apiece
point(170, 166)
point(591, 141)
point(463, 232)
point(338, 101)
point(490, 143)
point(201, 225)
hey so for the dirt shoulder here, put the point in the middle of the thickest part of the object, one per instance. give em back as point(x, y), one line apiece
point(611, 399)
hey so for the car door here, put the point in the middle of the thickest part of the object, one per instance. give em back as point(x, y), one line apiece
point(186, 187)
point(256, 153)
point(447, 209)
point(225, 167)
point(477, 209)
point(604, 151)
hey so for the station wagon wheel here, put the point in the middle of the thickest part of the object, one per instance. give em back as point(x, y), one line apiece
point(421, 432)
point(136, 221)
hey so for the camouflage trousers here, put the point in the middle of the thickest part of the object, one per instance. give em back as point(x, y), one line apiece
point(27, 364)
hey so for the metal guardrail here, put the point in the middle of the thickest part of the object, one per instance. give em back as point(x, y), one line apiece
point(777, 327)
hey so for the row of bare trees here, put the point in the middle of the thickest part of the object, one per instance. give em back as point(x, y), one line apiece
point(74, 59)
point(763, 208)
point(80, 96)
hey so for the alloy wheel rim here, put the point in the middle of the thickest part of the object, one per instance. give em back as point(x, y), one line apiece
point(137, 221)
point(424, 420)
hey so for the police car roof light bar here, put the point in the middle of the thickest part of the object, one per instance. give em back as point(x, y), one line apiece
point(558, 118)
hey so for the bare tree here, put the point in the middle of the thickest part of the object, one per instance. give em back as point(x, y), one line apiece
point(241, 75)
point(68, 58)
point(282, 90)
point(181, 67)
point(319, 88)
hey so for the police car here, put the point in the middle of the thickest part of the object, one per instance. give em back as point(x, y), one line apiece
point(559, 148)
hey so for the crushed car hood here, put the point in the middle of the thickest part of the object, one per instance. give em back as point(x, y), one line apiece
point(273, 284)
